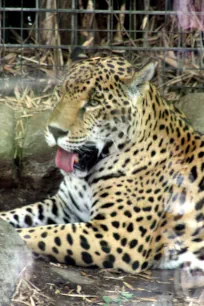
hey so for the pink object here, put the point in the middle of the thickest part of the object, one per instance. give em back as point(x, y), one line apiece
point(65, 160)
point(187, 14)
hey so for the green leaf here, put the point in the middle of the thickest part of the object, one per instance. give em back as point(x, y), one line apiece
point(117, 300)
point(127, 295)
point(107, 299)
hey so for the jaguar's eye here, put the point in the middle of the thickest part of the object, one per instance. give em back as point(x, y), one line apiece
point(93, 103)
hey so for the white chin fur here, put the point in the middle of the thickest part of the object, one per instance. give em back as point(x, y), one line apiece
point(100, 145)
point(76, 172)
point(50, 139)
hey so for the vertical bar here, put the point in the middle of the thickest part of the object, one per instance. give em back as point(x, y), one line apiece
point(109, 23)
point(146, 25)
point(164, 77)
point(21, 35)
point(3, 39)
point(201, 53)
point(74, 24)
point(37, 21)
point(37, 36)
point(1, 21)
point(4, 23)
point(135, 20)
point(1, 29)
point(94, 30)
point(178, 69)
point(130, 20)
point(56, 32)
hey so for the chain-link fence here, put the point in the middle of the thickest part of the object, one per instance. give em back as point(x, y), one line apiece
point(36, 37)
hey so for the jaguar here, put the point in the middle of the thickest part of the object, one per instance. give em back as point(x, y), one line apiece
point(132, 196)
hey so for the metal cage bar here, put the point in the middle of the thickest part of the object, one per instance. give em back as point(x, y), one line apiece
point(143, 31)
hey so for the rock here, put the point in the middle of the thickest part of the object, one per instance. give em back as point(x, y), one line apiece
point(193, 106)
point(37, 158)
point(72, 276)
point(34, 142)
point(7, 128)
point(14, 257)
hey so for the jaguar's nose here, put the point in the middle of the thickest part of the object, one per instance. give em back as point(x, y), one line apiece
point(57, 132)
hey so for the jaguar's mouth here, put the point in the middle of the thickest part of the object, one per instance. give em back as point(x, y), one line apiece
point(83, 160)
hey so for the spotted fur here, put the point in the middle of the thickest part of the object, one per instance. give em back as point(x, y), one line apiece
point(142, 204)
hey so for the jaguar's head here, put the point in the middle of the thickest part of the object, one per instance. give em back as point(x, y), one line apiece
point(98, 107)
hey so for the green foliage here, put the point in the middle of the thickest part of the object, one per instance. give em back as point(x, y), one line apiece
point(122, 298)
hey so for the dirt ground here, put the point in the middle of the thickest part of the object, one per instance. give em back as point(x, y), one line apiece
point(47, 284)
point(20, 196)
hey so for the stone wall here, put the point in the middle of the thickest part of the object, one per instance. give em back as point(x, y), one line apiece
point(26, 161)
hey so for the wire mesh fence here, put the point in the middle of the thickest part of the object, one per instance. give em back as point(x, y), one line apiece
point(36, 37)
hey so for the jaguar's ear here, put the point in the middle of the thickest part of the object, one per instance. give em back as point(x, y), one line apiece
point(77, 54)
point(145, 74)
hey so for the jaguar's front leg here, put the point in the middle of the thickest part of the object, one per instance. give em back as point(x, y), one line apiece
point(84, 244)
point(71, 204)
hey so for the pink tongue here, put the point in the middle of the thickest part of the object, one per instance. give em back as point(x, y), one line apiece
point(65, 160)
